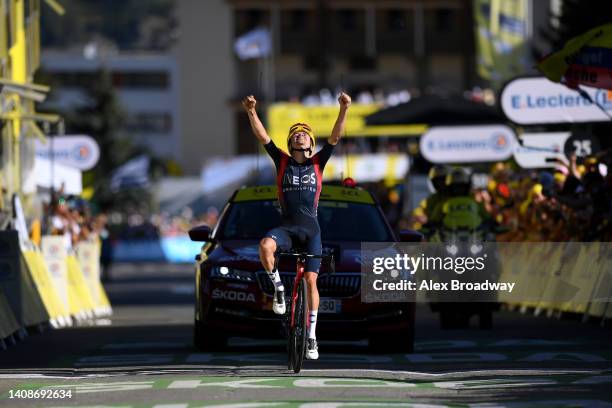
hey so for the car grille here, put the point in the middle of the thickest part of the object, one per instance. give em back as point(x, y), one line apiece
point(336, 285)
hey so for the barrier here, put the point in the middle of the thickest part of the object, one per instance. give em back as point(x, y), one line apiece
point(8, 322)
point(43, 280)
point(88, 256)
point(568, 277)
point(54, 253)
point(80, 298)
point(19, 289)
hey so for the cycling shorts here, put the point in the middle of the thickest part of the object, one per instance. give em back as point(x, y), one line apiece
point(304, 234)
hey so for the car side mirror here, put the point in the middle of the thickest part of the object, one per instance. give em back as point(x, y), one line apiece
point(200, 233)
point(411, 236)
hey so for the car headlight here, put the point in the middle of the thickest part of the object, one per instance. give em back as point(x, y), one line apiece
point(234, 274)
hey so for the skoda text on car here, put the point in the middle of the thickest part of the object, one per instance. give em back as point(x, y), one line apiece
point(234, 294)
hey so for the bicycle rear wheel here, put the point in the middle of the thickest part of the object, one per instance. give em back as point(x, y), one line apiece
point(298, 332)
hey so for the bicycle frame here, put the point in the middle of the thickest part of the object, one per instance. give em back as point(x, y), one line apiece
point(300, 270)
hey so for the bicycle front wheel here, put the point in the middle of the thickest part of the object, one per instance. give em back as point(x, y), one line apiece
point(299, 330)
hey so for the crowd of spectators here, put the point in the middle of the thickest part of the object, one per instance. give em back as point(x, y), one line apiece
point(572, 202)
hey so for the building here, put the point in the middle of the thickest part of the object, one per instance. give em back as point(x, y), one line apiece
point(146, 84)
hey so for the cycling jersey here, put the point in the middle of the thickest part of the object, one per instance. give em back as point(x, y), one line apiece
point(299, 184)
point(299, 187)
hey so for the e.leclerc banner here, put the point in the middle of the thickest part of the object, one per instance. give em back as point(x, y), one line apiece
point(534, 101)
point(468, 144)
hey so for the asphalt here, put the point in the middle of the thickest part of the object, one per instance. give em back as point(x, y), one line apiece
point(142, 357)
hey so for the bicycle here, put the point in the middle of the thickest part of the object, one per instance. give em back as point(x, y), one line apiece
point(296, 316)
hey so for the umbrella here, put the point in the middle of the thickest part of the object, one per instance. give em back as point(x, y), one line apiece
point(437, 110)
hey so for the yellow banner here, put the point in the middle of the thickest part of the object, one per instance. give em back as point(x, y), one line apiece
point(501, 38)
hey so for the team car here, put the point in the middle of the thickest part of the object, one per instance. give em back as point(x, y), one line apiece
point(234, 294)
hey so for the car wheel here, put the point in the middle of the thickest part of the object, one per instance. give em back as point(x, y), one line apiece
point(206, 338)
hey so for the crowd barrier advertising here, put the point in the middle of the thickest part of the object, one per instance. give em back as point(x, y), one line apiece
point(55, 253)
point(44, 282)
point(88, 255)
point(79, 294)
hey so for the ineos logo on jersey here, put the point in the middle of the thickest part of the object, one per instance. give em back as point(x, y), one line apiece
point(297, 180)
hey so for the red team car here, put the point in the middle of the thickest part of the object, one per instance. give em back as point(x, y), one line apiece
point(234, 293)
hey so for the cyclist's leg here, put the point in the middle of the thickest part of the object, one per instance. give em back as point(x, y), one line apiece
point(275, 238)
point(312, 271)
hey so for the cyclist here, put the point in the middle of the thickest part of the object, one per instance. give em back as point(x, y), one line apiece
point(299, 180)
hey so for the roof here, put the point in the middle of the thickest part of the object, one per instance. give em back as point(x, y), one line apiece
point(329, 193)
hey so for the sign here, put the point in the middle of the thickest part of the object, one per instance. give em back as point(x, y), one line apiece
point(531, 101)
point(582, 144)
point(331, 193)
point(78, 151)
point(367, 167)
point(320, 118)
point(468, 144)
point(56, 176)
point(537, 147)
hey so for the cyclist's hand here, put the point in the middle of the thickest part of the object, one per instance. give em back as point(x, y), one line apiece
point(249, 103)
point(344, 100)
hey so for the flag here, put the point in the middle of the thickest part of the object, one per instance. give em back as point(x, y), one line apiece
point(133, 174)
point(501, 38)
point(584, 60)
point(254, 44)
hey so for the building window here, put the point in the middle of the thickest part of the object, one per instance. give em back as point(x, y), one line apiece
point(362, 63)
point(298, 20)
point(444, 20)
point(249, 19)
point(347, 19)
point(153, 79)
point(397, 20)
point(150, 122)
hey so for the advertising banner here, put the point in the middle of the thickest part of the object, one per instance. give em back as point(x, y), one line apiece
point(78, 151)
point(534, 101)
point(468, 144)
point(501, 38)
point(538, 150)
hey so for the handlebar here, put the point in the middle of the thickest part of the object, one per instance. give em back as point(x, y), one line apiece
point(329, 258)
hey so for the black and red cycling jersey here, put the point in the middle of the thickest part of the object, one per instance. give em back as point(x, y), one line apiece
point(299, 184)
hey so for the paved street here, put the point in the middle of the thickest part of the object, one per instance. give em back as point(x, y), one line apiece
point(143, 357)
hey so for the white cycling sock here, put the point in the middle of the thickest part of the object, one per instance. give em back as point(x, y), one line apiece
point(313, 325)
point(276, 280)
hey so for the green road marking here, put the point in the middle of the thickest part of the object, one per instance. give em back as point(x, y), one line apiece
point(318, 383)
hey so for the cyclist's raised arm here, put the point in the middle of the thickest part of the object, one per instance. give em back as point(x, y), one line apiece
point(258, 128)
point(338, 130)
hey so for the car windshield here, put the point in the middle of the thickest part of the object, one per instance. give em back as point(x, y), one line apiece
point(252, 219)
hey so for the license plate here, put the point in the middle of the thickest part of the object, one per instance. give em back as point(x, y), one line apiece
point(330, 306)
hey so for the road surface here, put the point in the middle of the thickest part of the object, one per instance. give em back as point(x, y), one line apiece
point(142, 357)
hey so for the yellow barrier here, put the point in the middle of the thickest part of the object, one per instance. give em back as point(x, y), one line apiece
point(79, 297)
point(8, 323)
point(43, 280)
point(88, 255)
point(54, 252)
point(34, 310)
point(562, 277)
